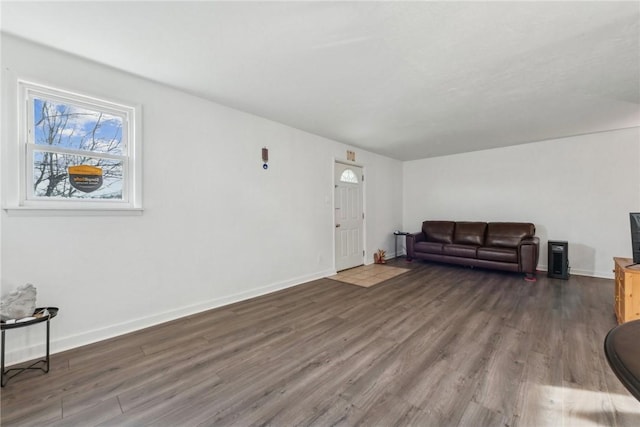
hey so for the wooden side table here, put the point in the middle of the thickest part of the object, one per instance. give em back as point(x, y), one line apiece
point(627, 290)
point(53, 312)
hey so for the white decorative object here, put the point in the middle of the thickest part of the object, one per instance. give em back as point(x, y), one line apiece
point(19, 303)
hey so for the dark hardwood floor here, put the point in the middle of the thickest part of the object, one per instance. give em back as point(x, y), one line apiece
point(437, 346)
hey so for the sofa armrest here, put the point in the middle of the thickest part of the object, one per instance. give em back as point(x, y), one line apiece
point(528, 252)
point(412, 239)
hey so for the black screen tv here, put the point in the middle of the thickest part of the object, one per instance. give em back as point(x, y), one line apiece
point(635, 236)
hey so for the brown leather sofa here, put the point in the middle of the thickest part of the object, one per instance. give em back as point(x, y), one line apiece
point(510, 246)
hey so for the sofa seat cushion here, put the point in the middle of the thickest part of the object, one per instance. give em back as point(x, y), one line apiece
point(498, 254)
point(469, 233)
point(508, 234)
point(429, 247)
point(438, 231)
point(465, 251)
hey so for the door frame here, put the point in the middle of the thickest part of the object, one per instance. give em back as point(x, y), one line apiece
point(333, 208)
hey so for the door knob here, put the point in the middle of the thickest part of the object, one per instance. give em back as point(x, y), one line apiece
point(337, 225)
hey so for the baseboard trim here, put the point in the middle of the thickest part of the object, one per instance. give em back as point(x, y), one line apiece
point(578, 272)
point(24, 354)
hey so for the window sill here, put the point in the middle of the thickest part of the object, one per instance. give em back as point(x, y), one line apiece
point(71, 211)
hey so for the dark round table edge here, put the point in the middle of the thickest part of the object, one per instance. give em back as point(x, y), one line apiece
point(626, 377)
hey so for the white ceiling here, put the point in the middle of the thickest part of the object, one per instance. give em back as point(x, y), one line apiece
point(408, 80)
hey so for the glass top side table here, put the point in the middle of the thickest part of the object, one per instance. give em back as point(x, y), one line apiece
point(41, 314)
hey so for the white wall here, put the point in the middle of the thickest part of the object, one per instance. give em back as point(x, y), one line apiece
point(579, 189)
point(216, 227)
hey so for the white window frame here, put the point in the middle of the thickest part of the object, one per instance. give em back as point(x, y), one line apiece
point(131, 150)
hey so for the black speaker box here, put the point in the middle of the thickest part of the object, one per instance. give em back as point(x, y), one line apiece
point(558, 265)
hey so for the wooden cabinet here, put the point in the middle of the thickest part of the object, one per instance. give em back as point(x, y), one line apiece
point(627, 290)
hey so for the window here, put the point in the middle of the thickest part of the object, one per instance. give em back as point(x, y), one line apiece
point(349, 176)
point(78, 152)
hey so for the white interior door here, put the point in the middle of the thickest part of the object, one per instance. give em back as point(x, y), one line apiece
point(349, 218)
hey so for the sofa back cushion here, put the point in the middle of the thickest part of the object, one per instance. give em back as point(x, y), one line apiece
point(508, 234)
point(438, 231)
point(469, 233)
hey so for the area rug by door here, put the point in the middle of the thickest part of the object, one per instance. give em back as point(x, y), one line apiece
point(368, 275)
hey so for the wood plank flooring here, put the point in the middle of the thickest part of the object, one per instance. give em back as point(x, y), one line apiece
point(437, 346)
